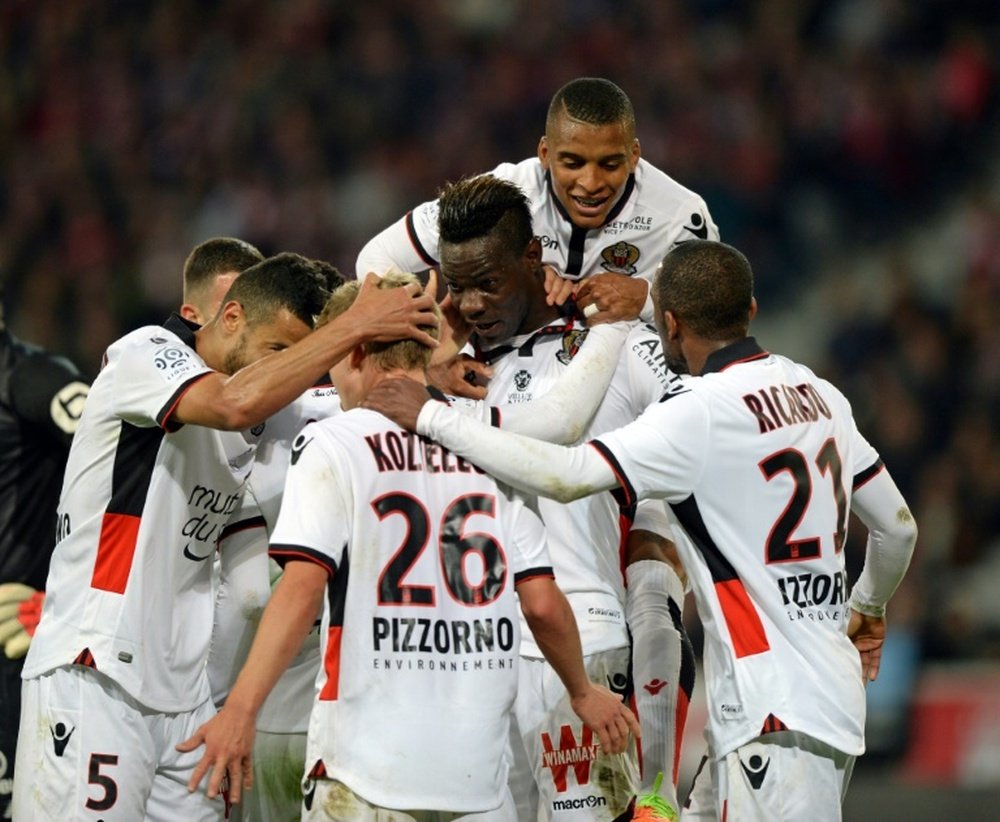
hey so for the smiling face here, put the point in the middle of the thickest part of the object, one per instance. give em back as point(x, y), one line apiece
point(498, 292)
point(589, 166)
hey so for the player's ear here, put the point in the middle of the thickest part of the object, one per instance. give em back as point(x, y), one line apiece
point(533, 253)
point(357, 357)
point(671, 324)
point(543, 152)
point(191, 314)
point(232, 316)
point(636, 152)
point(753, 309)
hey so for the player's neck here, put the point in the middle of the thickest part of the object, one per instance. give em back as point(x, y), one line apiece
point(415, 374)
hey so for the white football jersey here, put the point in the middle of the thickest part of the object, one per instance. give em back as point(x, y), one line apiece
point(586, 537)
point(287, 707)
point(760, 457)
point(143, 504)
point(654, 213)
point(420, 624)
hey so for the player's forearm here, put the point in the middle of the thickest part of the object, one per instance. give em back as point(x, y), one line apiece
point(244, 589)
point(556, 634)
point(287, 620)
point(565, 411)
point(554, 471)
point(892, 534)
point(259, 390)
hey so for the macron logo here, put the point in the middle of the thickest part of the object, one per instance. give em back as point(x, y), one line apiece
point(655, 686)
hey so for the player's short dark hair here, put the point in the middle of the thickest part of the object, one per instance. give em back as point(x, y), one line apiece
point(285, 280)
point(219, 255)
point(477, 206)
point(332, 275)
point(592, 100)
point(709, 285)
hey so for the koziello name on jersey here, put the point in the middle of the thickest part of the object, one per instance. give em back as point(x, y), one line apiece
point(404, 451)
point(441, 636)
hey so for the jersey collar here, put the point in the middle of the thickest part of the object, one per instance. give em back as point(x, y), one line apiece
point(182, 328)
point(524, 344)
point(613, 214)
point(745, 350)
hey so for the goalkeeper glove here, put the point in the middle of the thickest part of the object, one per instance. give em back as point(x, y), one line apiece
point(20, 610)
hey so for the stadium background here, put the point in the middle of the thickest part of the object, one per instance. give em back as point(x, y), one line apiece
point(849, 147)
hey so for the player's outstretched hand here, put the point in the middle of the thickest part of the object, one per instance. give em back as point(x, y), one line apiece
point(228, 740)
point(557, 289)
point(606, 715)
point(400, 399)
point(462, 376)
point(395, 313)
point(613, 297)
point(868, 635)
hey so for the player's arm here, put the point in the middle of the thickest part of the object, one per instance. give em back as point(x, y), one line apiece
point(563, 413)
point(244, 589)
point(254, 393)
point(228, 736)
point(892, 534)
point(556, 471)
point(553, 627)
point(48, 392)
point(409, 244)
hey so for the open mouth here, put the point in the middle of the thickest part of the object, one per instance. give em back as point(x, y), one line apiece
point(590, 204)
point(483, 329)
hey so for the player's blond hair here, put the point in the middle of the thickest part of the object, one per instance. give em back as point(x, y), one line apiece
point(404, 354)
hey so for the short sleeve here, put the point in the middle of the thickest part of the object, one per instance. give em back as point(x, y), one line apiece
point(661, 453)
point(151, 375)
point(528, 551)
point(314, 520)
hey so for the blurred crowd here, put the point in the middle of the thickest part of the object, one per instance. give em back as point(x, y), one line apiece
point(134, 129)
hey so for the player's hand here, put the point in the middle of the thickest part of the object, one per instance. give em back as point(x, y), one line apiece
point(606, 715)
point(868, 635)
point(557, 289)
point(228, 740)
point(614, 297)
point(20, 610)
point(400, 399)
point(454, 332)
point(395, 313)
point(462, 376)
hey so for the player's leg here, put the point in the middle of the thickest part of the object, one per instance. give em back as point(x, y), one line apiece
point(663, 664)
point(170, 799)
point(84, 750)
point(576, 780)
point(784, 777)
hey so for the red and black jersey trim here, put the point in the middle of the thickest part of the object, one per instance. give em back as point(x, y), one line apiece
point(242, 525)
point(772, 725)
point(534, 573)
point(336, 601)
point(282, 553)
point(411, 231)
point(131, 474)
point(745, 628)
point(86, 659)
point(745, 350)
point(864, 476)
point(625, 495)
point(164, 417)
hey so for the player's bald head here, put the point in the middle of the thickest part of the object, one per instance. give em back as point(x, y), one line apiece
point(708, 285)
